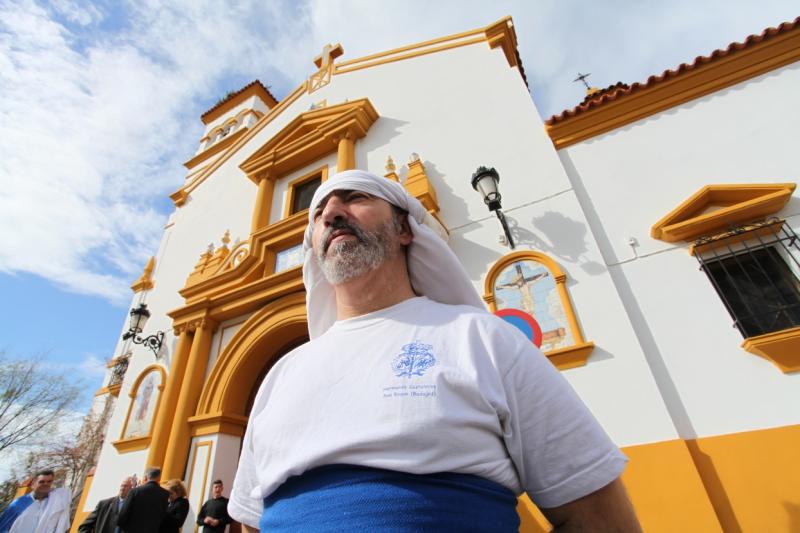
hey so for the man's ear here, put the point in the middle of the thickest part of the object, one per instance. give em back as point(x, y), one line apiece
point(405, 233)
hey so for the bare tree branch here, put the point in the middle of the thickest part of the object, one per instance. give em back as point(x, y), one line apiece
point(32, 399)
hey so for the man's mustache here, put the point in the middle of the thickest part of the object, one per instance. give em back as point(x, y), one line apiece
point(343, 227)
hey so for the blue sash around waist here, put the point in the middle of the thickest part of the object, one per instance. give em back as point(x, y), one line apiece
point(355, 498)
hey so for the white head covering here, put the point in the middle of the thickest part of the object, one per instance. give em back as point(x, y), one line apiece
point(434, 269)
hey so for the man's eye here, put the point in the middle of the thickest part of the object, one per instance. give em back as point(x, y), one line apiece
point(317, 214)
point(356, 196)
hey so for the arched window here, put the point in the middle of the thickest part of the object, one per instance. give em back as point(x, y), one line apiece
point(534, 284)
point(145, 396)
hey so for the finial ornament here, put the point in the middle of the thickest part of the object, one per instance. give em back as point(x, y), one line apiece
point(390, 167)
point(414, 157)
point(226, 238)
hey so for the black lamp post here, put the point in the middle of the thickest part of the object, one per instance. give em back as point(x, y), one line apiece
point(485, 181)
point(139, 316)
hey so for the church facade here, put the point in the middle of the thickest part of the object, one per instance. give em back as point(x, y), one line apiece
point(650, 254)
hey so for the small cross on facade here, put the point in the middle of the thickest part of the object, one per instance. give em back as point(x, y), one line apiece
point(329, 53)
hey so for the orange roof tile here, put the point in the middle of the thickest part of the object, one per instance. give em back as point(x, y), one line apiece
point(255, 87)
point(620, 90)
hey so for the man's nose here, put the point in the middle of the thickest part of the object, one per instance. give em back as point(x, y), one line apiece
point(334, 209)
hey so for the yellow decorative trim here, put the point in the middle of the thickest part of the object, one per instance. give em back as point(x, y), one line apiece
point(145, 281)
point(216, 147)
point(321, 172)
point(738, 203)
point(213, 424)
point(231, 293)
point(131, 444)
point(563, 358)
point(346, 152)
point(211, 261)
point(204, 444)
point(718, 74)
point(80, 513)
point(177, 450)
point(166, 412)
point(390, 170)
point(388, 57)
point(497, 34)
point(419, 186)
point(502, 34)
point(571, 356)
point(310, 136)
point(179, 197)
point(111, 389)
point(781, 348)
point(260, 340)
point(324, 63)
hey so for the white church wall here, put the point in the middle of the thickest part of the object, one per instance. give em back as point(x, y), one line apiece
point(428, 105)
point(638, 173)
point(628, 179)
point(616, 384)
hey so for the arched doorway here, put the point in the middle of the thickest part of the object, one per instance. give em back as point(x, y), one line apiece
point(259, 343)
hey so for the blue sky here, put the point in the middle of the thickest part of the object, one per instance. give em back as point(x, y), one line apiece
point(100, 105)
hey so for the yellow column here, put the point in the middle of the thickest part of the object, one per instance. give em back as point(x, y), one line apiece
point(346, 156)
point(561, 285)
point(163, 421)
point(263, 204)
point(179, 437)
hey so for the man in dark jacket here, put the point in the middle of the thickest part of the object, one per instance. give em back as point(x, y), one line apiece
point(213, 516)
point(145, 506)
point(104, 517)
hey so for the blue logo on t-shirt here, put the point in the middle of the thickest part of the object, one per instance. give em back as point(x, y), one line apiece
point(414, 361)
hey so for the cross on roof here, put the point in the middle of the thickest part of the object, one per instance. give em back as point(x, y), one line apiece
point(582, 78)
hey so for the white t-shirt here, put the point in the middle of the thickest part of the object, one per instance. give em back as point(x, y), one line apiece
point(423, 387)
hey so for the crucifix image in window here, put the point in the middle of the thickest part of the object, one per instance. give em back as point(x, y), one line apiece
point(529, 286)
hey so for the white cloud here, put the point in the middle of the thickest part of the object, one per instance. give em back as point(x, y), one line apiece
point(101, 101)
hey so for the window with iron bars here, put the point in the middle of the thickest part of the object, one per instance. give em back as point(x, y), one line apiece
point(755, 269)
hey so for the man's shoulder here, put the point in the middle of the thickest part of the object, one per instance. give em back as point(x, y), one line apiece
point(107, 501)
point(21, 500)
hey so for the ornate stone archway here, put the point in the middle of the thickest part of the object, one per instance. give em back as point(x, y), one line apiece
point(257, 344)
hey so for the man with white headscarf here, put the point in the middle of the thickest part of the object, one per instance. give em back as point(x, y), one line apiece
point(412, 408)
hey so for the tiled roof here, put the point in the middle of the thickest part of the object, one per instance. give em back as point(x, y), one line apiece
point(621, 90)
point(233, 95)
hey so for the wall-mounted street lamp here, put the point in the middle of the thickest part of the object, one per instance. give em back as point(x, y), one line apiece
point(485, 180)
point(139, 316)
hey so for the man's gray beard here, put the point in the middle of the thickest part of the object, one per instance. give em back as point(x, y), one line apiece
point(350, 259)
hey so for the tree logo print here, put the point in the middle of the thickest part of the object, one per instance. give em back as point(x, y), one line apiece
point(414, 361)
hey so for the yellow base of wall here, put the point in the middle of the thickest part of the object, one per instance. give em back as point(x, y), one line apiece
point(666, 490)
point(664, 487)
point(735, 483)
point(752, 478)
